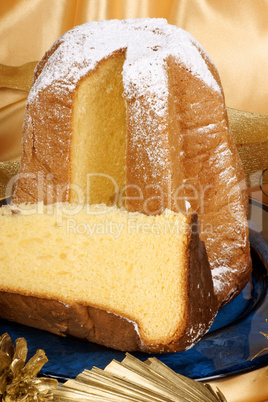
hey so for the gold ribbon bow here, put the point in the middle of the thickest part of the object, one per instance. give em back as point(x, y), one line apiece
point(250, 132)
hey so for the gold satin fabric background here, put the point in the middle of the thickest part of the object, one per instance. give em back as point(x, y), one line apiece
point(233, 32)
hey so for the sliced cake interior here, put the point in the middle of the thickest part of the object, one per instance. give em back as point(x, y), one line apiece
point(129, 264)
point(99, 134)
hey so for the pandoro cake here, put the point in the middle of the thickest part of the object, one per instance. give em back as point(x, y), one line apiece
point(124, 280)
point(132, 113)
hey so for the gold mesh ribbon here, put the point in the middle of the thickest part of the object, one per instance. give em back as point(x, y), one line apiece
point(17, 77)
point(250, 132)
point(8, 169)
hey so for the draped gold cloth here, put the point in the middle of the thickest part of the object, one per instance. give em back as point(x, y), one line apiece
point(234, 33)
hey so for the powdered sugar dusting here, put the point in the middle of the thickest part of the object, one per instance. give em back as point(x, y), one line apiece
point(219, 275)
point(148, 43)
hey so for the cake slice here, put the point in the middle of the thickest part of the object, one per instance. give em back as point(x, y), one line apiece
point(124, 280)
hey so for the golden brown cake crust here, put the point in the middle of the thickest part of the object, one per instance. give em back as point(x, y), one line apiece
point(108, 329)
point(213, 179)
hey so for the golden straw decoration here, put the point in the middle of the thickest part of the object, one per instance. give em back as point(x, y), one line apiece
point(134, 380)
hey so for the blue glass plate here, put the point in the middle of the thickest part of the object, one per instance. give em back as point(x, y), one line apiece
point(229, 348)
